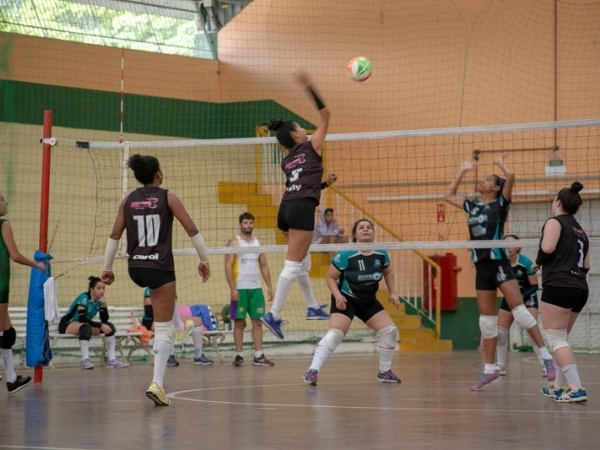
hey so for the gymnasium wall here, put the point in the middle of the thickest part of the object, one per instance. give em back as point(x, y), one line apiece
point(436, 64)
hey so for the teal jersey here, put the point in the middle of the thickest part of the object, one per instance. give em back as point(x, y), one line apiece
point(92, 307)
point(4, 262)
point(486, 223)
point(360, 274)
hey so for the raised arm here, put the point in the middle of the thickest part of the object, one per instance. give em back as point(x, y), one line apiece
point(451, 196)
point(318, 137)
point(509, 176)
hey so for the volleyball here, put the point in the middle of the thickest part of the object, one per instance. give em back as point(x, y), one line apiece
point(359, 68)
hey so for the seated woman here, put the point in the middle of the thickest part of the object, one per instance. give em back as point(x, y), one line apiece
point(79, 321)
point(185, 323)
point(327, 230)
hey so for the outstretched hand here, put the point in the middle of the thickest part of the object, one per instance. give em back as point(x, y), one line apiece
point(469, 164)
point(500, 159)
point(301, 77)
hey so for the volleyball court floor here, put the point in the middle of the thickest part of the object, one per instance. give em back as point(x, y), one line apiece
point(221, 406)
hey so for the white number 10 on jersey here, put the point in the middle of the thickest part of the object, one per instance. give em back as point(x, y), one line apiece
point(148, 229)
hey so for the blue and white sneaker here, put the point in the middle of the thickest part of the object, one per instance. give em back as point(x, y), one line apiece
point(552, 392)
point(570, 396)
point(317, 313)
point(273, 324)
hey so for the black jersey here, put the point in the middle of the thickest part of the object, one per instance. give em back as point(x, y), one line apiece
point(303, 168)
point(361, 274)
point(486, 223)
point(565, 268)
point(149, 224)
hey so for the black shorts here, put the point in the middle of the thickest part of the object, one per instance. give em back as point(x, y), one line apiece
point(3, 296)
point(150, 278)
point(564, 297)
point(297, 215)
point(491, 274)
point(531, 302)
point(364, 310)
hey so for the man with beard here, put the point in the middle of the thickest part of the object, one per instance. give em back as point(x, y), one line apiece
point(242, 273)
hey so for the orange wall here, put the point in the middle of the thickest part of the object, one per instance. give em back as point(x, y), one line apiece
point(436, 64)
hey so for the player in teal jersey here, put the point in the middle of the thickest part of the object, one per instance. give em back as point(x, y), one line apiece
point(8, 335)
point(353, 280)
point(79, 321)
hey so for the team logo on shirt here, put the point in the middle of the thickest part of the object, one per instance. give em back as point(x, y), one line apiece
point(297, 161)
point(148, 203)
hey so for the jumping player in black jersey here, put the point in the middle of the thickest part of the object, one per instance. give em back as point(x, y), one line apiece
point(526, 275)
point(487, 216)
point(303, 168)
point(353, 280)
point(564, 255)
point(8, 335)
point(147, 215)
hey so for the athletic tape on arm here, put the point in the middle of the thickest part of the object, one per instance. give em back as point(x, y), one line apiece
point(109, 254)
point(198, 243)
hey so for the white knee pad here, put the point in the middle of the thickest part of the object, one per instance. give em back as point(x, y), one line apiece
point(306, 264)
point(488, 326)
point(557, 338)
point(502, 336)
point(332, 339)
point(163, 331)
point(388, 337)
point(291, 270)
point(524, 317)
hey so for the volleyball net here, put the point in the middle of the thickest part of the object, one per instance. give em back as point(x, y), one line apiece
point(397, 179)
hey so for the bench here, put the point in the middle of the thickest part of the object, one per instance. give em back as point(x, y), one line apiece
point(121, 318)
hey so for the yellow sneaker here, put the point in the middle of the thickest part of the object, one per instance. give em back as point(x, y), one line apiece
point(157, 395)
point(181, 336)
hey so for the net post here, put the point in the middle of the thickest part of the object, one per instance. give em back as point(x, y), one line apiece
point(45, 202)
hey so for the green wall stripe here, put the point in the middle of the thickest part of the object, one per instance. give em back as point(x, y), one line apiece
point(99, 110)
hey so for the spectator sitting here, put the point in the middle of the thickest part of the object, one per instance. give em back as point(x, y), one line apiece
point(328, 231)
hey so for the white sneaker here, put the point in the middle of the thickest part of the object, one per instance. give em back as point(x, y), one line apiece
point(87, 364)
point(116, 364)
point(501, 370)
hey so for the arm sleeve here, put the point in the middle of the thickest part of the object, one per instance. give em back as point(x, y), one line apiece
point(104, 315)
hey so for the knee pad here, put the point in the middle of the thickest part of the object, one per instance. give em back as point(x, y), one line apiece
point(85, 332)
point(306, 264)
point(557, 338)
point(163, 331)
point(488, 326)
point(291, 270)
point(332, 339)
point(524, 317)
point(502, 336)
point(8, 339)
point(112, 328)
point(388, 337)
